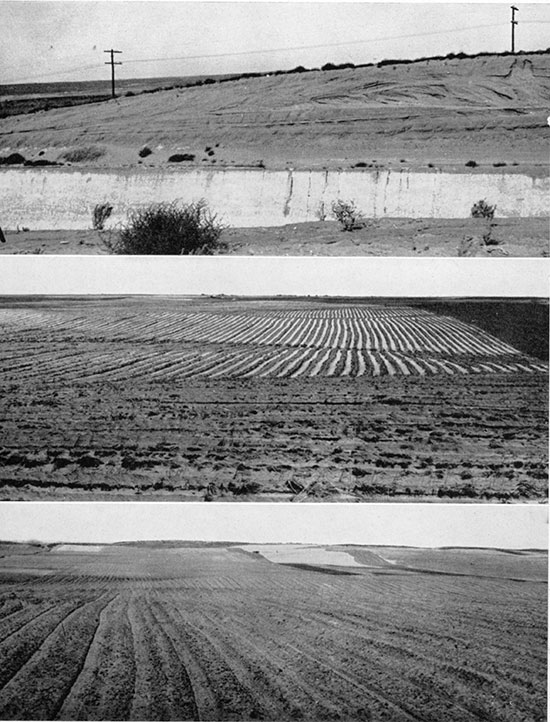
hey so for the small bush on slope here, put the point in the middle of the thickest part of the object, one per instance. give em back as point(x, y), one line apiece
point(347, 214)
point(482, 209)
point(81, 155)
point(101, 212)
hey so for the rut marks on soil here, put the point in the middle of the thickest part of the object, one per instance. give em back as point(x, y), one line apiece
point(50, 672)
point(163, 690)
point(103, 689)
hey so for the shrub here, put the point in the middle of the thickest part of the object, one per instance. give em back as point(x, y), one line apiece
point(347, 215)
point(40, 162)
point(101, 212)
point(12, 159)
point(470, 164)
point(168, 229)
point(81, 155)
point(179, 157)
point(482, 209)
point(144, 152)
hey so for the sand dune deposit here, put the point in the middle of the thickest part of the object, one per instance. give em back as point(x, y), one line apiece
point(421, 141)
point(273, 399)
point(156, 631)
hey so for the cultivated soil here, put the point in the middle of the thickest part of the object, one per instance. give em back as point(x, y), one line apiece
point(527, 237)
point(273, 400)
point(138, 632)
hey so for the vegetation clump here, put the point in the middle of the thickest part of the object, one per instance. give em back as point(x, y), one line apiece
point(12, 159)
point(348, 215)
point(101, 212)
point(82, 155)
point(482, 209)
point(180, 157)
point(144, 152)
point(168, 229)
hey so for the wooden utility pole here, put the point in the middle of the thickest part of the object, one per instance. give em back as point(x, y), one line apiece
point(112, 64)
point(514, 22)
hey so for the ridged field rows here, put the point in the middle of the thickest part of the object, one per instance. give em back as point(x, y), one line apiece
point(210, 633)
point(337, 341)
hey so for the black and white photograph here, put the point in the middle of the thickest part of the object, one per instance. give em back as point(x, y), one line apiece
point(274, 399)
point(274, 360)
point(275, 128)
point(178, 612)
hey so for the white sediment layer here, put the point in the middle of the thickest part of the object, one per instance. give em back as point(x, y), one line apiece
point(43, 199)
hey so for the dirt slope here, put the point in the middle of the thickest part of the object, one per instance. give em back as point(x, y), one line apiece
point(489, 109)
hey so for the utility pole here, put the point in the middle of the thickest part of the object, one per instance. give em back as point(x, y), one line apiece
point(514, 22)
point(112, 64)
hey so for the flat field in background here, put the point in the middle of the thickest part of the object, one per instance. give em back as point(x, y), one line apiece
point(202, 632)
point(273, 399)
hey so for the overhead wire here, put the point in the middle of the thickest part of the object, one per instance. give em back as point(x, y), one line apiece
point(240, 53)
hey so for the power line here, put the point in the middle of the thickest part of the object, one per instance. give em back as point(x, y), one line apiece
point(275, 50)
point(312, 47)
point(112, 64)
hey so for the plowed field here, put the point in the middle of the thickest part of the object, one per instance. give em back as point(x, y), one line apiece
point(229, 398)
point(220, 633)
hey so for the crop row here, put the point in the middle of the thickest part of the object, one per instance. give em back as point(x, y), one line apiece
point(376, 329)
point(113, 363)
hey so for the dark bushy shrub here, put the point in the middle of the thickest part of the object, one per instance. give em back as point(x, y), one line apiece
point(470, 164)
point(144, 152)
point(168, 229)
point(180, 157)
point(12, 159)
point(40, 162)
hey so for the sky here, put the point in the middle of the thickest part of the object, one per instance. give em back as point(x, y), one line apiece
point(45, 41)
point(424, 525)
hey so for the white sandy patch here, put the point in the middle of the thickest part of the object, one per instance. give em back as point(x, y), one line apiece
point(302, 554)
point(79, 548)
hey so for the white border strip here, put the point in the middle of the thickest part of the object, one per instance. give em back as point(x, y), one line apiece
point(424, 525)
point(267, 276)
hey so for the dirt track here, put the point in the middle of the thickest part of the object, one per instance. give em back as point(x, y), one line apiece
point(198, 633)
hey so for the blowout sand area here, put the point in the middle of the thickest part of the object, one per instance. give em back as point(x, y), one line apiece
point(489, 109)
point(472, 115)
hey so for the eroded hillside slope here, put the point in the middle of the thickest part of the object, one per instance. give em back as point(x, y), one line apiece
point(489, 109)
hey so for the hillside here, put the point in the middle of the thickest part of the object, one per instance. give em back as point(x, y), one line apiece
point(490, 109)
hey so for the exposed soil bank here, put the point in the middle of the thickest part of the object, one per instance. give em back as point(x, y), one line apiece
point(62, 199)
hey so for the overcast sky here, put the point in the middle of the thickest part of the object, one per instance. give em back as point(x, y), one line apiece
point(61, 41)
point(428, 525)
